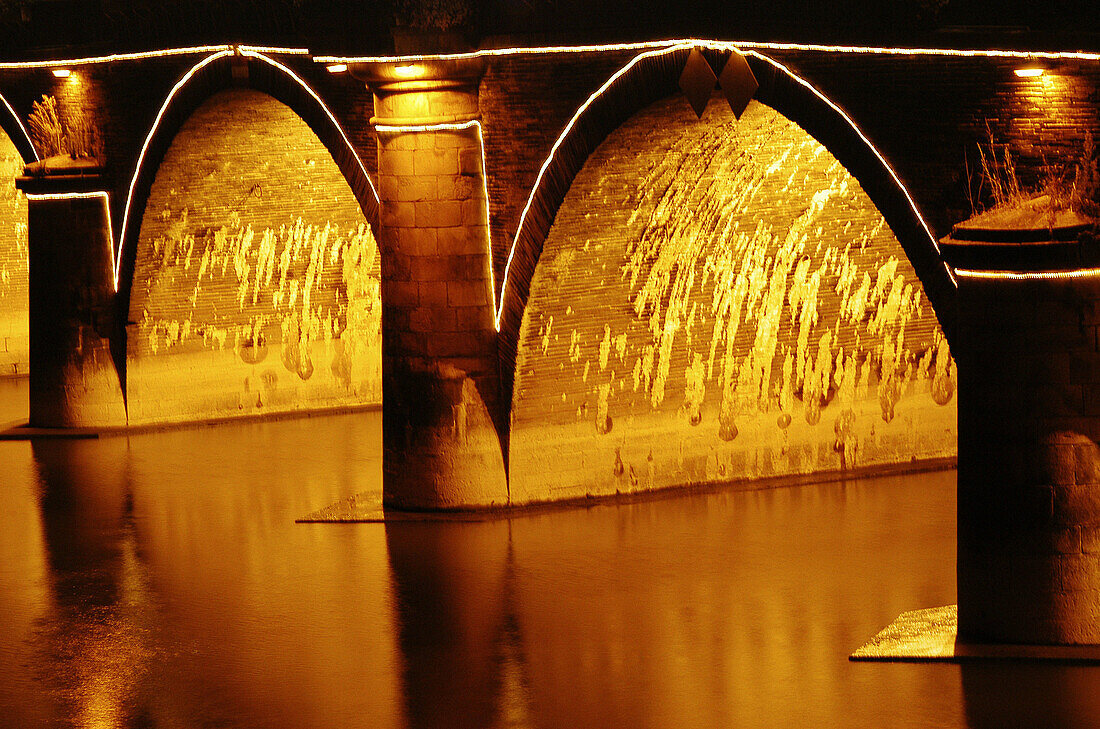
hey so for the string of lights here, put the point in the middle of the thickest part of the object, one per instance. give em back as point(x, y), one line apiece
point(228, 51)
point(649, 49)
point(21, 127)
point(459, 126)
point(1027, 275)
point(139, 55)
point(697, 42)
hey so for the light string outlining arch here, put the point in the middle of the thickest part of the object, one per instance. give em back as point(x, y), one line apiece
point(459, 126)
point(712, 45)
point(248, 52)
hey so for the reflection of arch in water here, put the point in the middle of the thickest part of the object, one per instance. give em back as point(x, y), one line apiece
point(723, 299)
point(15, 151)
point(253, 279)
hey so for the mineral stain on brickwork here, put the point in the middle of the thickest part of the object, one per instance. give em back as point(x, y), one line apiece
point(256, 286)
point(719, 299)
point(14, 329)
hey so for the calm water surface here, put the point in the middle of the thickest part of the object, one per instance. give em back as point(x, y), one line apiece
point(159, 580)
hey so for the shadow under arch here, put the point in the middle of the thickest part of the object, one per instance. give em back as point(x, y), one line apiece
point(17, 133)
point(654, 75)
point(215, 73)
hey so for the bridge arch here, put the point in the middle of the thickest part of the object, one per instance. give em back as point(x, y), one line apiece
point(719, 299)
point(250, 276)
point(16, 151)
point(218, 72)
point(653, 75)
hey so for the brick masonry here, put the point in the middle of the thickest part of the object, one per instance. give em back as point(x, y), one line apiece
point(14, 342)
point(720, 300)
point(926, 114)
point(256, 277)
point(442, 445)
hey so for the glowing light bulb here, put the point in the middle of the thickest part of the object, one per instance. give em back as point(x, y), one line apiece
point(410, 71)
point(337, 68)
point(1030, 72)
point(61, 72)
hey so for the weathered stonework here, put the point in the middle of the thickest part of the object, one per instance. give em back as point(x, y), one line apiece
point(441, 421)
point(14, 332)
point(73, 379)
point(719, 300)
point(256, 283)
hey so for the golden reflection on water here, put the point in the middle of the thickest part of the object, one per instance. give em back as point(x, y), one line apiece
point(159, 581)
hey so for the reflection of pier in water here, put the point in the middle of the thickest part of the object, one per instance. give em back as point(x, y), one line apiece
point(160, 579)
point(183, 566)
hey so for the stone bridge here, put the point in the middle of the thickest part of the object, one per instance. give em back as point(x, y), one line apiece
point(573, 272)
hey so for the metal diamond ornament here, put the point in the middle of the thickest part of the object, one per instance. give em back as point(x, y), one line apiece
point(738, 83)
point(697, 81)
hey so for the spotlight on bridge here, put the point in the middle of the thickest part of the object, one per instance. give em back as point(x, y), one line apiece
point(337, 68)
point(1030, 71)
point(61, 72)
point(411, 71)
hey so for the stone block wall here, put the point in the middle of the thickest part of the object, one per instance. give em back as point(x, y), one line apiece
point(441, 438)
point(1029, 466)
point(438, 277)
point(14, 331)
point(256, 277)
point(719, 300)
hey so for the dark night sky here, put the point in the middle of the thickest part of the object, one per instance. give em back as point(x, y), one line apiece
point(44, 27)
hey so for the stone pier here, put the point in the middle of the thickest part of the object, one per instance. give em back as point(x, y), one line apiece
point(441, 409)
point(1029, 419)
point(71, 295)
point(1029, 466)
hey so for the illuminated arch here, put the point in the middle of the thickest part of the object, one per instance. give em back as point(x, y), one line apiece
point(209, 76)
point(13, 127)
point(653, 75)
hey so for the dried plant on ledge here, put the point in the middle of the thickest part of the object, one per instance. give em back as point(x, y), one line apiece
point(1073, 187)
point(74, 136)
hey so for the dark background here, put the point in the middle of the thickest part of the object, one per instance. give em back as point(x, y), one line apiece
point(43, 28)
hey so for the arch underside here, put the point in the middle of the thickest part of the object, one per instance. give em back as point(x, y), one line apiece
point(721, 300)
point(14, 324)
point(255, 273)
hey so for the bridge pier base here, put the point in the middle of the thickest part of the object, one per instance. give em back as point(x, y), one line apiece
point(71, 297)
point(1029, 465)
point(441, 411)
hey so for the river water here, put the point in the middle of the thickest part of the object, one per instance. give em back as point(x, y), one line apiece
point(159, 580)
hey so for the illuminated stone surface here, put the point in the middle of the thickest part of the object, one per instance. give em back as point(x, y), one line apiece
point(14, 342)
point(440, 406)
point(932, 635)
point(256, 283)
point(721, 301)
